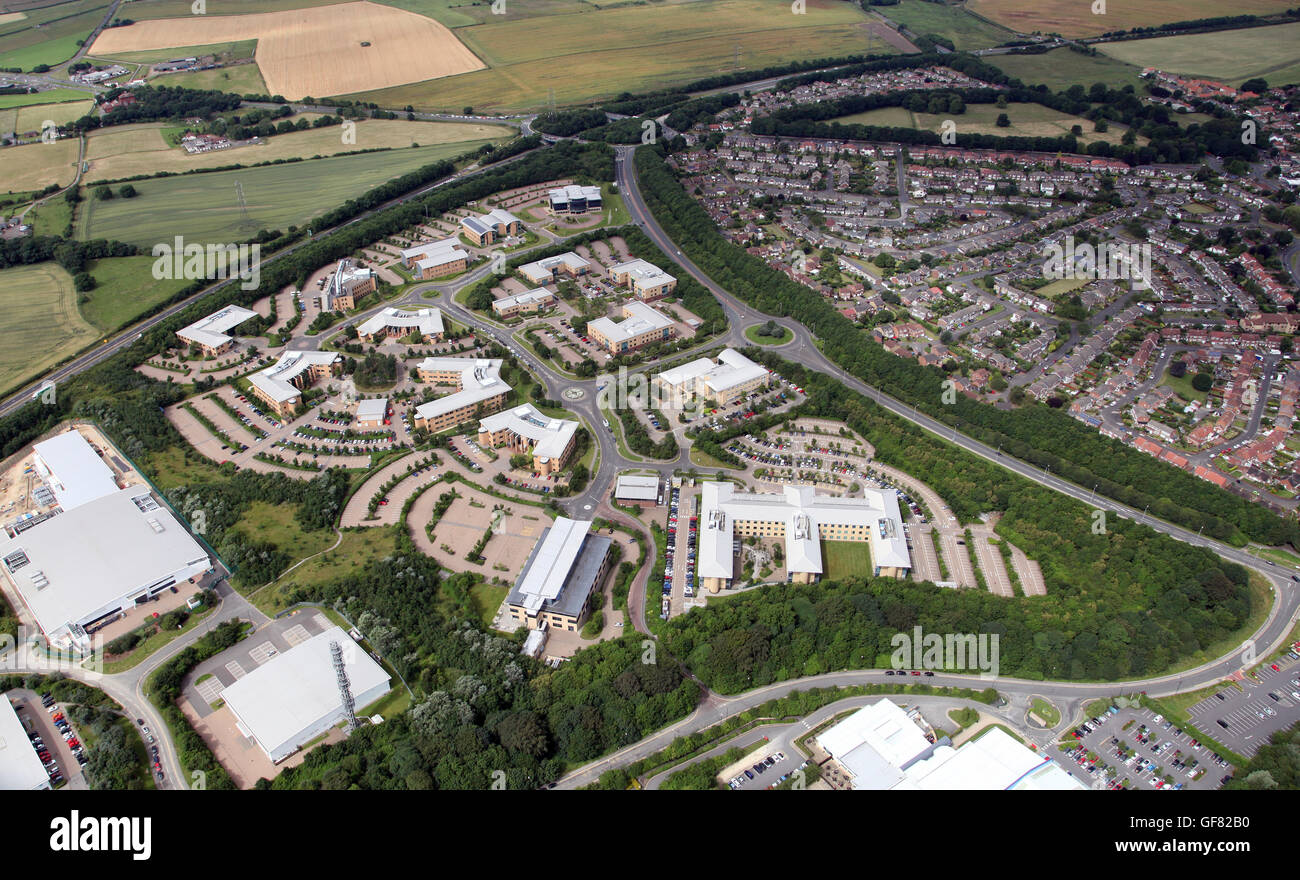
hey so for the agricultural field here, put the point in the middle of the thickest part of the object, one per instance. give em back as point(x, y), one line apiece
point(33, 117)
point(965, 30)
point(205, 207)
point(235, 51)
point(1075, 18)
point(357, 46)
point(242, 79)
point(41, 324)
point(49, 35)
point(1027, 120)
point(32, 167)
point(126, 151)
point(50, 96)
point(51, 217)
point(1061, 68)
point(126, 289)
point(604, 52)
point(1231, 56)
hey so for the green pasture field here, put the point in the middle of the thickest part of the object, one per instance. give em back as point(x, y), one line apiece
point(49, 35)
point(39, 321)
point(1061, 68)
point(125, 291)
point(965, 30)
point(1230, 56)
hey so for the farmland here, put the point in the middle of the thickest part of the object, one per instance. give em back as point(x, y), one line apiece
point(604, 52)
point(1062, 68)
point(205, 207)
point(1232, 56)
point(965, 30)
point(40, 325)
point(51, 96)
point(32, 118)
point(233, 51)
point(35, 166)
point(356, 46)
point(1072, 18)
point(49, 35)
point(127, 151)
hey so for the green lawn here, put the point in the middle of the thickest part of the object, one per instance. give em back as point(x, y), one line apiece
point(487, 598)
point(51, 218)
point(1183, 386)
point(357, 548)
point(751, 333)
point(841, 559)
point(205, 207)
point(703, 459)
point(1046, 711)
point(1061, 287)
point(126, 289)
point(965, 30)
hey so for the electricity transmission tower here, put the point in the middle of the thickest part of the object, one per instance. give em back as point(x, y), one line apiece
point(345, 687)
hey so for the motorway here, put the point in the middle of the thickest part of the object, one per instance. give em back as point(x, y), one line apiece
point(126, 687)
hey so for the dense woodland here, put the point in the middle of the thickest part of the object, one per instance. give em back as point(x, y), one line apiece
point(1275, 766)
point(1038, 434)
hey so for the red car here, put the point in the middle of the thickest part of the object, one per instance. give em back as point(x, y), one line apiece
point(1276, 668)
point(915, 672)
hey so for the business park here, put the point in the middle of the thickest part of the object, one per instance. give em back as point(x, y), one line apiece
point(93, 542)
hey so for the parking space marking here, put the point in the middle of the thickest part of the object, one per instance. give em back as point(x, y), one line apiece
point(210, 689)
point(263, 652)
point(296, 635)
point(235, 669)
point(322, 622)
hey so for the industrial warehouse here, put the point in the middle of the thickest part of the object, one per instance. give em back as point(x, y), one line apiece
point(128, 547)
point(296, 696)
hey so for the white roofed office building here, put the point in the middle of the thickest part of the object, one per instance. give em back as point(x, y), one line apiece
point(372, 413)
point(568, 563)
point(641, 325)
point(395, 323)
point(524, 429)
point(436, 259)
point(647, 280)
point(127, 548)
point(294, 697)
point(637, 489)
point(523, 303)
point(487, 229)
point(575, 199)
point(480, 391)
point(280, 385)
point(552, 269)
point(73, 469)
point(210, 334)
point(20, 768)
point(803, 519)
point(729, 378)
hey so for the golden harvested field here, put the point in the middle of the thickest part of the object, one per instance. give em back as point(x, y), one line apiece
point(1074, 18)
point(41, 324)
point(126, 151)
point(7, 17)
point(316, 52)
point(35, 166)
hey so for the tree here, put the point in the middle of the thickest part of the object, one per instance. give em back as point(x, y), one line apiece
point(1178, 369)
point(1202, 382)
point(103, 193)
point(1003, 121)
point(84, 282)
point(127, 191)
point(1256, 85)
